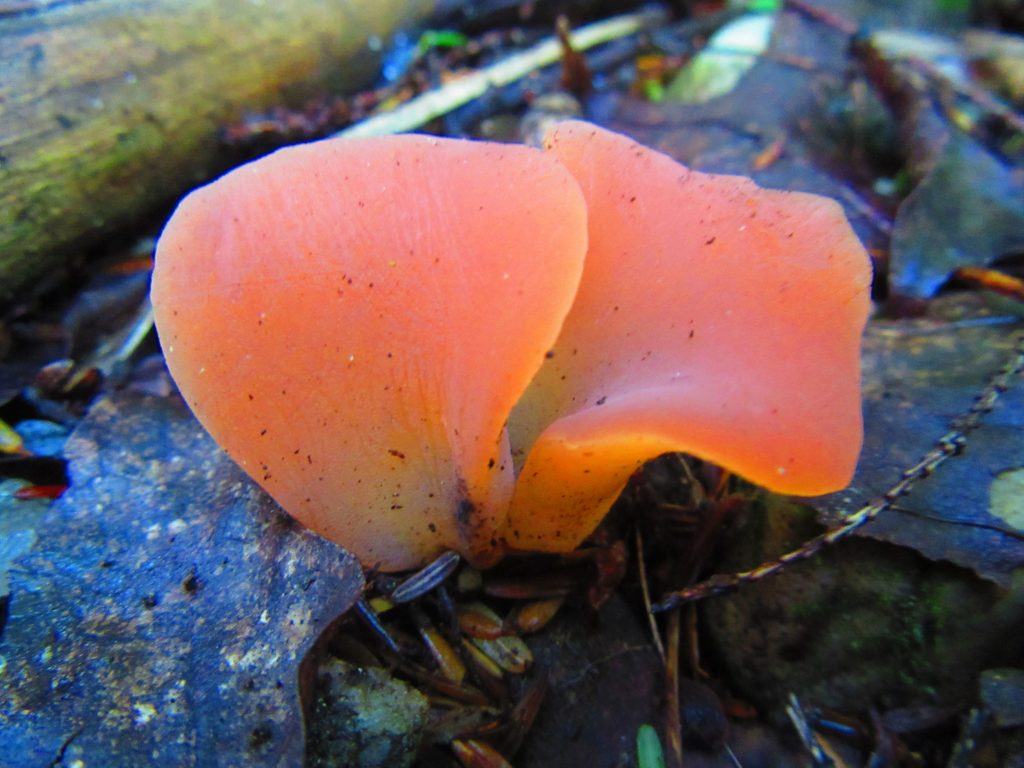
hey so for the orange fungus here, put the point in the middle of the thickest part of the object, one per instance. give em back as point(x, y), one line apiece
point(714, 318)
point(354, 320)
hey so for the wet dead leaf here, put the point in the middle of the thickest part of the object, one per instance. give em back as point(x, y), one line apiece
point(918, 376)
point(780, 106)
point(167, 605)
point(967, 204)
point(968, 210)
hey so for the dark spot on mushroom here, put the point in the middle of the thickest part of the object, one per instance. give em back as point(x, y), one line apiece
point(464, 513)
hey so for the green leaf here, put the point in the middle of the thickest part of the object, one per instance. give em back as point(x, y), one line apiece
point(440, 38)
point(648, 748)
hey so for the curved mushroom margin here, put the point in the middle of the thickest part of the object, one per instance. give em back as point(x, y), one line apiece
point(714, 318)
point(353, 320)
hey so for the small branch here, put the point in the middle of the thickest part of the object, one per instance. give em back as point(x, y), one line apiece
point(673, 714)
point(645, 590)
point(59, 759)
point(819, 756)
point(424, 108)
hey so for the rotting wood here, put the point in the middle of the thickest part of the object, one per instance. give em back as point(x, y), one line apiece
point(110, 109)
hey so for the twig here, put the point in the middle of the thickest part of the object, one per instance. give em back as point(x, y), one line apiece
point(993, 280)
point(645, 590)
point(673, 714)
point(807, 736)
point(949, 445)
point(110, 357)
point(828, 18)
point(137, 331)
point(967, 744)
point(443, 100)
point(1010, 120)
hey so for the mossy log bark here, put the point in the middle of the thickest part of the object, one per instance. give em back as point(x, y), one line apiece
point(110, 108)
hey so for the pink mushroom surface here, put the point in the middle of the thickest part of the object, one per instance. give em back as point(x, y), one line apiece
point(418, 344)
point(353, 321)
point(714, 318)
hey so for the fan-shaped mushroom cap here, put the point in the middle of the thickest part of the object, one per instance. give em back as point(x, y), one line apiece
point(714, 318)
point(353, 321)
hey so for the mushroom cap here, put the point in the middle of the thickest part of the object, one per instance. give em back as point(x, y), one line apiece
point(714, 318)
point(353, 320)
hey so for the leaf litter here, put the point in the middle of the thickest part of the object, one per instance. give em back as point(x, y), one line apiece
point(78, 599)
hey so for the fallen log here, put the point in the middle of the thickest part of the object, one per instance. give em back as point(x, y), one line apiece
point(110, 109)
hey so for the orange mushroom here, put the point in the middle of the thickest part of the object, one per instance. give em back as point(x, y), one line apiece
point(354, 320)
point(714, 318)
